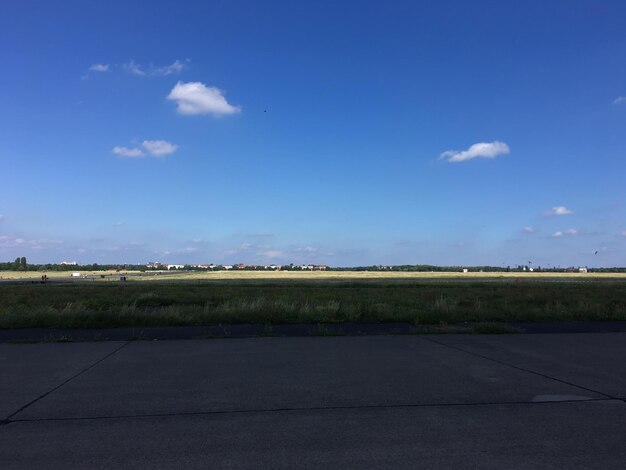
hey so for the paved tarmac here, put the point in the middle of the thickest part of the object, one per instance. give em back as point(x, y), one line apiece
point(430, 401)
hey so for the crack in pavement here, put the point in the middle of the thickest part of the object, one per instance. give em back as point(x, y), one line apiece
point(314, 408)
point(523, 369)
point(8, 418)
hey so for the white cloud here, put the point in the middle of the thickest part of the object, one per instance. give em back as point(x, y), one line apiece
point(569, 231)
point(152, 148)
point(2, 217)
point(134, 68)
point(529, 229)
point(271, 254)
point(127, 152)
point(197, 98)
point(176, 67)
point(479, 150)
point(306, 249)
point(558, 210)
point(159, 148)
point(99, 68)
point(619, 100)
point(37, 244)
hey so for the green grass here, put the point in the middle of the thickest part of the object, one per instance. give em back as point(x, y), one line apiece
point(202, 302)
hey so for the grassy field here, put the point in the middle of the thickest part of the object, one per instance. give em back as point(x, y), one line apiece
point(305, 297)
point(302, 275)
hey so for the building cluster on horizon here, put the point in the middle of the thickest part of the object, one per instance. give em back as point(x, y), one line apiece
point(239, 266)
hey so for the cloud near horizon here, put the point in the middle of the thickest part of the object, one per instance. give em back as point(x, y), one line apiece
point(272, 254)
point(620, 100)
point(151, 148)
point(479, 150)
point(558, 210)
point(196, 98)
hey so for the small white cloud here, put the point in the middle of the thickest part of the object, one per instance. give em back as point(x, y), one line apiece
point(134, 68)
point(558, 210)
point(197, 98)
point(139, 70)
point(127, 152)
point(529, 229)
point(152, 148)
point(479, 150)
point(624, 233)
point(99, 68)
point(619, 100)
point(2, 217)
point(569, 231)
point(10, 242)
point(271, 254)
point(119, 223)
point(159, 148)
point(176, 67)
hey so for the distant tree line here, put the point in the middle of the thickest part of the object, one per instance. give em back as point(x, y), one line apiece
point(20, 264)
point(486, 269)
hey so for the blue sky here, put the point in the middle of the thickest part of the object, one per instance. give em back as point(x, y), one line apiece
point(345, 133)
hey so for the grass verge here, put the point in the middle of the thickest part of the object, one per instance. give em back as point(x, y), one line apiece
point(486, 302)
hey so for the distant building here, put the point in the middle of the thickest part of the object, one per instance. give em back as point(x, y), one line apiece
point(69, 263)
point(583, 269)
point(175, 266)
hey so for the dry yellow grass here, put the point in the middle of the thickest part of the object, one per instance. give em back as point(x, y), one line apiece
point(35, 275)
point(379, 275)
point(301, 275)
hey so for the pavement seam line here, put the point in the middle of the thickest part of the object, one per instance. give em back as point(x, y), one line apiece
point(530, 371)
point(82, 371)
point(300, 409)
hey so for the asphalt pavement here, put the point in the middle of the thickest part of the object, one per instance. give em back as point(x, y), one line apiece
point(422, 401)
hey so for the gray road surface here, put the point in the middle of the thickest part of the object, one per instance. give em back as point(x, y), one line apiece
point(433, 401)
